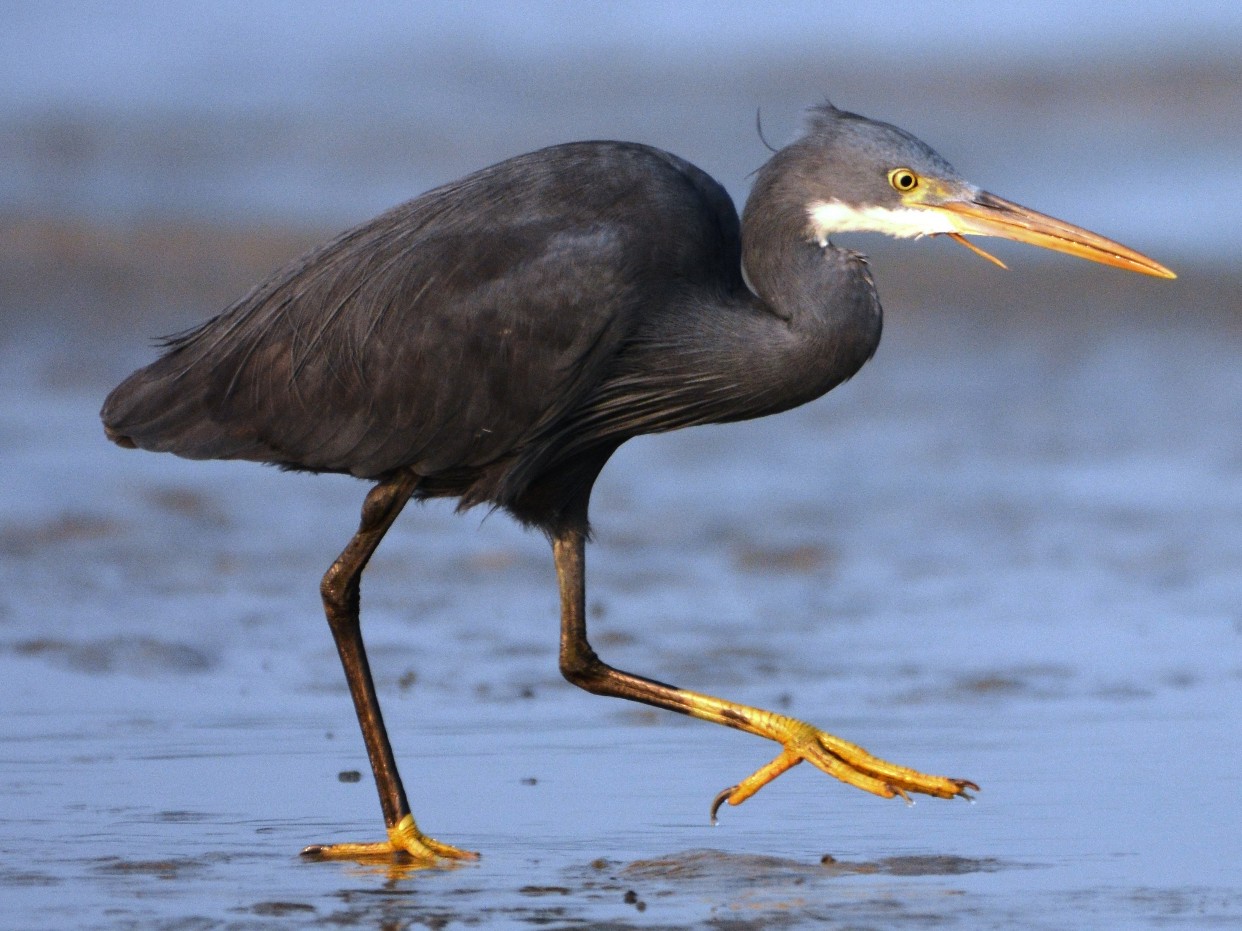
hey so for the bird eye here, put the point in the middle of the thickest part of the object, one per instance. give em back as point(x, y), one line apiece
point(903, 179)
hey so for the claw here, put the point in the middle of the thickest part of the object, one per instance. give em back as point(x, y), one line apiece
point(720, 799)
point(845, 761)
point(962, 786)
point(405, 841)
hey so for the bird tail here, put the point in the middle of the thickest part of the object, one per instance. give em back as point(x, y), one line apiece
point(162, 408)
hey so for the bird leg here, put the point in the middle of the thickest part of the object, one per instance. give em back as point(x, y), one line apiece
point(340, 591)
point(846, 761)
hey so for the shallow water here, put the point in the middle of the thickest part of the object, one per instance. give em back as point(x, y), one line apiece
point(1007, 551)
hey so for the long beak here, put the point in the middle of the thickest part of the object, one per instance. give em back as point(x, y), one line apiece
point(986, 214)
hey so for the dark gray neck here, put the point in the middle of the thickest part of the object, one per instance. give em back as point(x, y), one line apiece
point(825, 295)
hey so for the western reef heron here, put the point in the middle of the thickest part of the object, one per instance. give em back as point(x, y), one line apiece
point(496, 339)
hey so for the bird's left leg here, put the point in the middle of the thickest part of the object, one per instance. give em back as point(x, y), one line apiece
point(340, 591)
point(846, 761)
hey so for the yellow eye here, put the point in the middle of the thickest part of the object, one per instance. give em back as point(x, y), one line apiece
point(903, 179)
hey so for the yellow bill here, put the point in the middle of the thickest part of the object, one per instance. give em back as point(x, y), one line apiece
point(988, 215)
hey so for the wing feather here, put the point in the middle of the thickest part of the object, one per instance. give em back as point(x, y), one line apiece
point(453, 335)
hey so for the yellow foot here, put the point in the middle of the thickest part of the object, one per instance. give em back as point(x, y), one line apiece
point(846, 761)
point(405, 842)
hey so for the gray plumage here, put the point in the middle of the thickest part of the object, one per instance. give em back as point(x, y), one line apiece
point(501, 335)
point(497, 339)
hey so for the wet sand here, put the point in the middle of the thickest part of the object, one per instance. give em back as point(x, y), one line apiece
point(1007, 551)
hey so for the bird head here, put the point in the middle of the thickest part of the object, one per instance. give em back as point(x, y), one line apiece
point(878, 178)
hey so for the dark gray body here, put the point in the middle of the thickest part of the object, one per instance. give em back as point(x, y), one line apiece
point(500, 336)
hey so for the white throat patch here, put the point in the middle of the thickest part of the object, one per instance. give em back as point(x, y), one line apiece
point(832, 216)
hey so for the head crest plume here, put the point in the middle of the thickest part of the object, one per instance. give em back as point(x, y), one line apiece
point(825, 115)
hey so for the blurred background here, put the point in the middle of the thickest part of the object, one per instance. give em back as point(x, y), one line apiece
point(1007, 550)
point(319, 113)
point(127, 121)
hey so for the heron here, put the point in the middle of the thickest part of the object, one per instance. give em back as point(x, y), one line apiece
point(496, 339)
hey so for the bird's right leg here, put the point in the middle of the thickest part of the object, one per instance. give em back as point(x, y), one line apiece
point(800, 741)
point(340, 591)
